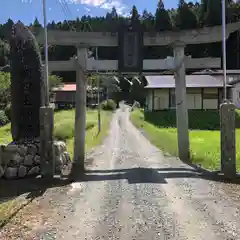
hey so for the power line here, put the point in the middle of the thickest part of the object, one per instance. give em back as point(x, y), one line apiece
point(65, 5)
point(62, 8)
point(66, 11)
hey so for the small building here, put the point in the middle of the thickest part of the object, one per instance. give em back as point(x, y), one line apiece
point(235, 92)
point(64, 95)
point(203, 92)
point(233, 79)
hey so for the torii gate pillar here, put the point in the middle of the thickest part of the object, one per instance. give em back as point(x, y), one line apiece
point(80, 112)
point(181, 102)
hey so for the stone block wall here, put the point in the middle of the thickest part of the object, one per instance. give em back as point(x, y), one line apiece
point(22, 160)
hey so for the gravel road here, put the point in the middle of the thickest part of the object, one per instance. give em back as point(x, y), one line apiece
point(131, 191)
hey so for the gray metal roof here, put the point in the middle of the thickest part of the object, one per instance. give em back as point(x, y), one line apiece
point(192, 81)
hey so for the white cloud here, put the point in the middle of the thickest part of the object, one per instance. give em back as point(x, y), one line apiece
point(121, 8)
point(26, 1)
point(95, 3)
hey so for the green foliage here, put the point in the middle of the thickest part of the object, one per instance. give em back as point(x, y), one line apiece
point(5, 94)
point(108, 105)
point(197, 119)
point(8, 111)
point(163, 21)
point(54, 81)
point(3, 118)
point(65, 131)
point(185, 17)
point(4, 53)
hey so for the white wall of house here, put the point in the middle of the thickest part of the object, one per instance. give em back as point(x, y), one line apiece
point(212, 102)
point(194, 99)
point(161, 99)
point(236, 95)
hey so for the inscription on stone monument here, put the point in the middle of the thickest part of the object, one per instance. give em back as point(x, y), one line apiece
point(26, 84)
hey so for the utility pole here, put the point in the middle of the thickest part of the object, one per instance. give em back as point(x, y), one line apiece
point(46, 115)
point(46, 53)
point(98, 97)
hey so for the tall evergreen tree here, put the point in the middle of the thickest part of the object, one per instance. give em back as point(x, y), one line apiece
point(135, 17)
point(214, 13)
point(163, 21)
point(185, 17)
point(148, 21)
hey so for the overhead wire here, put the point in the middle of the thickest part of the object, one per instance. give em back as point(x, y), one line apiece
point(67, 12)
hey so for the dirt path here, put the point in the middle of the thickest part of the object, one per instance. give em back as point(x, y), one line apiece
point(131, 191)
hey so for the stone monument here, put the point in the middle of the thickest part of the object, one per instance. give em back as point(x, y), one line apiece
point(27, 82)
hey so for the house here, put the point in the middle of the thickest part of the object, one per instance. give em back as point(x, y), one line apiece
point(233, 79)
point(232, 74)
point(64, 95)
point(203, 92)
point(235, 92)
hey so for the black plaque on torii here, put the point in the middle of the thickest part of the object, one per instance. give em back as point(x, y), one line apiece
point(130, 48)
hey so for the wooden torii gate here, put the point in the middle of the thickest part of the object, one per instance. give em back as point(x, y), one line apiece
point(178, 63)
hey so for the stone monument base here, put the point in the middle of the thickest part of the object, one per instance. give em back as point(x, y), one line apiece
point(19, 160)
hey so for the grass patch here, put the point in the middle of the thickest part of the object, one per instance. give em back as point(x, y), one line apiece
point(63, 130)
point(160, 128)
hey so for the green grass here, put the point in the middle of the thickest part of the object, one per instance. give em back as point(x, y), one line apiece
point(63, 130)
point(204, 143)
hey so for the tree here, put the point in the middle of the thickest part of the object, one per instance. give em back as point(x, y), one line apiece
point(134, 15)
point(54, 81)
point(112, 20)
point(4, 53)
point(185, 17)
point(36, 23)
point(214, 13)
point(163, 21)
point(203, 11)
point(148, 21)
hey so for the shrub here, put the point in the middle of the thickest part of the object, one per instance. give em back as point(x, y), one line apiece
point(54, 81)
point(65, 131)
point(8, 111)
point(108, 105)
point(3, 118)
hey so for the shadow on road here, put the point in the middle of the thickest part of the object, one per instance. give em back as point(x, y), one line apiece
point(153, 175)
point(33, 187)
point(36, 187)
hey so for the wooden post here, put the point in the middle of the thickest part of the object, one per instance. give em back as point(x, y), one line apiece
point(228, 140)
point(181, 103)
point(80, 114)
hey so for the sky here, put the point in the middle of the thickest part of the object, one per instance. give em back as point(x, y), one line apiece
point(58, 10)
